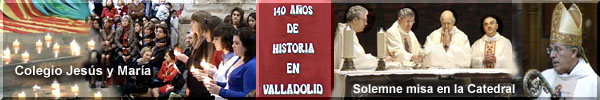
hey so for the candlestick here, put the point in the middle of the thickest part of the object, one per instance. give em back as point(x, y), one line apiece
point(348, 49)
point(16, 46)
point(48, 39)
point(25, 56)
point(38, 46)
point(381, 50)
point(91, 44)
point(56, 48)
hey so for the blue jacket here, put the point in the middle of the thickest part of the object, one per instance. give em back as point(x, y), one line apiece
point(242, 80)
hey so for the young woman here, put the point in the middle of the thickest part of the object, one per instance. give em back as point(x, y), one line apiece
point(242, 79)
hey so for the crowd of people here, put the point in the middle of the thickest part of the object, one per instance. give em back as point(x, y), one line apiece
point(218, 57)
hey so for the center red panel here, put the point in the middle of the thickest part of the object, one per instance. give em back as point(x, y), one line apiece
point(294, 62)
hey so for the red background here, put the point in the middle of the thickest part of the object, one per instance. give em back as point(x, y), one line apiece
point(316, 29)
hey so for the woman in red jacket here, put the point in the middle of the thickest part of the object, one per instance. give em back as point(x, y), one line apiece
point(167, 72)
point(109, 11)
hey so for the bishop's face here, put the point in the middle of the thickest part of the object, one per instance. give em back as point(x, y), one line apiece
point(563, 58)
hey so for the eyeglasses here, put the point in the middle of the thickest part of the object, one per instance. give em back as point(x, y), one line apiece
point(549, 50)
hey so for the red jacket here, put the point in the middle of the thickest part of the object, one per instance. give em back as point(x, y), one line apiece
point(171, 72)
point(110, 13)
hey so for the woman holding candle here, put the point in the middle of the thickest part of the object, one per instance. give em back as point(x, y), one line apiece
point(242, 79)
point(223, 39)
point(201, 50)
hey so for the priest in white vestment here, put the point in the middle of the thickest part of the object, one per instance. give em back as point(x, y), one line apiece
point(402, 44)
point(571, 77)
point(493, 50)
point(357, 20)
point(448, 46)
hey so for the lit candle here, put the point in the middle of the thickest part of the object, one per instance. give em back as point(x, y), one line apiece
point(36, 88)
point(75, 50)
point(56, 48)
point(48, 39)
point(381, 44)
point(21, 95)
point(38, 46)
point(16, 45)
point(91, 44)
point(348, 45)
point(203, 63)
point(206, 79)
point(97, 95)
point(6, 55)
point(25, 56)
point(75, 90)
point(55, 85)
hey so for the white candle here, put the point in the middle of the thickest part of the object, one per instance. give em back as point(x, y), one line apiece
point(48, 39)
point(381, 44)
point(56, 48)
point(348, 45)
point(75, 49)
point(91, 44)
point(75, 90)
point(38, 46)
point(25, 56)
point(16, 45)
